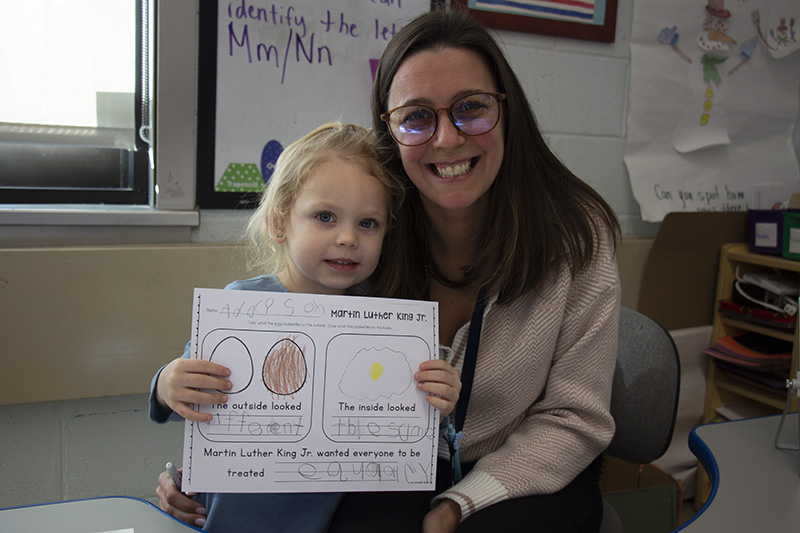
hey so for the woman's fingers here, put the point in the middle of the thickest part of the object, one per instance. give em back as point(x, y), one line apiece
point(175, 503)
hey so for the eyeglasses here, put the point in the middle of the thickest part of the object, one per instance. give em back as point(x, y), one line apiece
point(474, 114)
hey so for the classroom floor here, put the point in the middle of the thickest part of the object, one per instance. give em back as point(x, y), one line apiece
point(687, 511)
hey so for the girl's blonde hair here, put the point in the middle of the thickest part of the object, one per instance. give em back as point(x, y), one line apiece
point(350, 143)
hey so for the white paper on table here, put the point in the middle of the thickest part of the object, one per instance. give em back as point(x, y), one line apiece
point(323, 396)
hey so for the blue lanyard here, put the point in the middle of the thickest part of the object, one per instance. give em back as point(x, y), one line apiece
point(453, 433)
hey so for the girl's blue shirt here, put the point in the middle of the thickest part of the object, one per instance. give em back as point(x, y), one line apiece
point(246, 513)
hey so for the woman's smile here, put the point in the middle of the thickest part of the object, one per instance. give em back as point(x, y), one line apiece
point(452, 170)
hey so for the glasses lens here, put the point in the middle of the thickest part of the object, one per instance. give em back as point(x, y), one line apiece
point(476, 113)
point(413, 124)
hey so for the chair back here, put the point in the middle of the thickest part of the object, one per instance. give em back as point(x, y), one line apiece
point(644, 398)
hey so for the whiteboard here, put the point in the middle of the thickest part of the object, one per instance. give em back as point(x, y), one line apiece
point(272, 72)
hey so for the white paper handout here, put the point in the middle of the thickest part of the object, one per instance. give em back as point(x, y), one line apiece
point(323, 396)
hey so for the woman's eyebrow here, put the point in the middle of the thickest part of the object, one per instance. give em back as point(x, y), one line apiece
point(456, 97)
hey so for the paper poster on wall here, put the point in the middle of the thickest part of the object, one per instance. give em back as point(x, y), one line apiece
point(713, 102)
point(279, 71)
point(323, 396)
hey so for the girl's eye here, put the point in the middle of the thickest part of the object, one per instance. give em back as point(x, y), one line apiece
point(368, 223)
point(325, 217)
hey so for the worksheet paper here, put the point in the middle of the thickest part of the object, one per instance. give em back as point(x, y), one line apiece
point(323, 396)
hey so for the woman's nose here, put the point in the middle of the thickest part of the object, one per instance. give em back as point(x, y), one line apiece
point(446, 134)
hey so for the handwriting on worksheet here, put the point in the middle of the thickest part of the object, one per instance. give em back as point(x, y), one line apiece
point(323, 396)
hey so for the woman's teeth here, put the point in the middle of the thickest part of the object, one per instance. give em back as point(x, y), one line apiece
point(453, 171)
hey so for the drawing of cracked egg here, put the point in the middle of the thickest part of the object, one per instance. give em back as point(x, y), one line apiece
point(232, 353)
point(375, 373)
point(285, 369)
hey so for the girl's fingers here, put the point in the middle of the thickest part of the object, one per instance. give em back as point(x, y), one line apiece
point(438, 376)
point(444, 391)
point(442, 405)
point(202, 381)
point(188, 413)
point(203, 398)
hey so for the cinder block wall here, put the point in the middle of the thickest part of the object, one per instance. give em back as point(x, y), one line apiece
point(53, 451)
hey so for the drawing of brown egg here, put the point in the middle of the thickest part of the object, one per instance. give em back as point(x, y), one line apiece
point(285, 370)
point(232, 353)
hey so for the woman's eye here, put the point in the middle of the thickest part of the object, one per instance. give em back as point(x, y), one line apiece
point(470, 107)
point(325, 217)
point(419, 114)
point(417, 119)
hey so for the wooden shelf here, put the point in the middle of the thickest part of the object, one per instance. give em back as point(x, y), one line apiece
point(749, 392)
point(777, 333)
point(720, 389)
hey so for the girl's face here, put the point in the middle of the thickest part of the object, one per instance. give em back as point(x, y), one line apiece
point(452, 171)
point(334, 230)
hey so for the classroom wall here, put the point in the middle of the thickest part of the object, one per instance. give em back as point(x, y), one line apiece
point(61, 450)
point(57, 450)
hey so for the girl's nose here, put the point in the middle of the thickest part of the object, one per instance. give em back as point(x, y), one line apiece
point(347, 238)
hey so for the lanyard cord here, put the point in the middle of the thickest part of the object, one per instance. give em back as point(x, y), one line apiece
point(454, 434)
point(470, 359)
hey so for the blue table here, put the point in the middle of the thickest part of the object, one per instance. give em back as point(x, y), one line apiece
point(754, 485)
point(96, 515)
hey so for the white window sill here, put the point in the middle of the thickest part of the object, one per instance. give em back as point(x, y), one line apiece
point(94, 215)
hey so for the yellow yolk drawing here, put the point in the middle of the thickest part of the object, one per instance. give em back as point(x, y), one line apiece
point(375, 371)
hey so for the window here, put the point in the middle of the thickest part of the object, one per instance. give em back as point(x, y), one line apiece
point(75, 102)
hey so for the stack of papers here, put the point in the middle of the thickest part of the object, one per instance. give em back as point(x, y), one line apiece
point(757, 315)
point(757, 359)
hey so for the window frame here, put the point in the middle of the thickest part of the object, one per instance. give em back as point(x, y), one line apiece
point(172, 216)
point(133, 164)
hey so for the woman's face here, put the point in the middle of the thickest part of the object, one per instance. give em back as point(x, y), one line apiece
point(452, 171)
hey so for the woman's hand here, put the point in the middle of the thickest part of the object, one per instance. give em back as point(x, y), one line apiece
point(179, 383)
point(173, 502)
point(441, 381)
point(444, 518)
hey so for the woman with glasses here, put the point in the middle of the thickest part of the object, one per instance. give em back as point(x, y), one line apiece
point(519, 253)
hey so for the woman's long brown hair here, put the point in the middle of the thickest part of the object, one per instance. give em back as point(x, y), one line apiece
point(539, 213)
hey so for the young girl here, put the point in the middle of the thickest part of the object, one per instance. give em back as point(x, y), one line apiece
point(322, 217)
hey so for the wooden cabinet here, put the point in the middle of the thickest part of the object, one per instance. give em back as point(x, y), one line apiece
point(720, 389)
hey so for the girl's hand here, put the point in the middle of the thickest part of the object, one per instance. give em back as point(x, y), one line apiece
point(179, 383)
point(442, 383)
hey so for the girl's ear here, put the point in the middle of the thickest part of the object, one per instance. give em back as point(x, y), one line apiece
point(278, 232)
